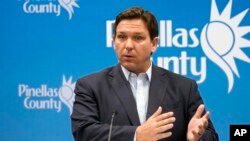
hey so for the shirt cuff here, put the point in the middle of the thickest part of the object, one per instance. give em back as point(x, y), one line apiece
point(134, 137)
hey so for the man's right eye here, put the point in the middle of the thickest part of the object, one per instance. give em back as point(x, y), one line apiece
point(122, 37)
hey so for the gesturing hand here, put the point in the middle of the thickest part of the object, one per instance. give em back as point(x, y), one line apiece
point(156, 127)
point(197, 125)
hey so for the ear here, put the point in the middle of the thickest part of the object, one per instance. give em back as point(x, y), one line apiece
point(154, 44)
point(114, 42)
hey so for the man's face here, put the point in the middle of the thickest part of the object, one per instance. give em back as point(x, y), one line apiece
point(133, 45)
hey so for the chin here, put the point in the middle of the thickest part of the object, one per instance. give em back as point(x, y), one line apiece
point(130, 66)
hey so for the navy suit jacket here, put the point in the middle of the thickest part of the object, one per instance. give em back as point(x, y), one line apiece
point(99, 95)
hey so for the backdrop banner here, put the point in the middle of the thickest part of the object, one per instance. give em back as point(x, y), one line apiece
point(46, 45)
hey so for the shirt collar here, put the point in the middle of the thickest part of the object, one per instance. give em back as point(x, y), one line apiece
point(126, 72)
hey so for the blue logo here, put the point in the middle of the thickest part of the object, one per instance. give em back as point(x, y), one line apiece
point(49, 7)
point(48, 98)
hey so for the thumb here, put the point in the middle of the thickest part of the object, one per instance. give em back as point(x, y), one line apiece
point(199, 111)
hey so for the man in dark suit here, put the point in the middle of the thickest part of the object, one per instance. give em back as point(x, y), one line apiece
point(144, 102)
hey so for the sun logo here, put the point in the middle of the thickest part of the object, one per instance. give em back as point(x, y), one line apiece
point(66, 93)
point(68, 6)
point(222, 40)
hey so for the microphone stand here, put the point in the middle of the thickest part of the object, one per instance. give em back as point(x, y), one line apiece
point(111, 125)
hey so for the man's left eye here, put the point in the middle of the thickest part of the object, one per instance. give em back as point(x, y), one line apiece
point(138, 38)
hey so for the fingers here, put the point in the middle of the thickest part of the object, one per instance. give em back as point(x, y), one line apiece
point(163, 135)
point(156, 113)
point(159, 117)
point(157, 126)
point(199, 111)
point(199, 131)
point(198, 124)
point(165, 121)
point(205, 119)
point(162, 119)
point(164, 125)
point(202, 126)
point(165, 128)
point(206, 116)
point(197, 134)
point(164, 116)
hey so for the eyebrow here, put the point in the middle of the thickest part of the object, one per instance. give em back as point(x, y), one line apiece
point(136, 33)
point(139, 33)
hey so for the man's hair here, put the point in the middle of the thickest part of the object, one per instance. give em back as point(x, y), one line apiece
point(138, 13)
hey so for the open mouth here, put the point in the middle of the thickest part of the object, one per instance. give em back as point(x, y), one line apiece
point(128, 57)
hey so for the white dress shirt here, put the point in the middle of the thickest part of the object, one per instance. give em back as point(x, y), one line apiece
point(140, 87)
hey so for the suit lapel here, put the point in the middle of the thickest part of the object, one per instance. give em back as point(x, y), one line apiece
point(156, 90)
point(123, 91)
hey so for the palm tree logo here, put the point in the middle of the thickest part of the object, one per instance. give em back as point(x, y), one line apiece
point(68, 6)
point(222, 40)
point(66, 93)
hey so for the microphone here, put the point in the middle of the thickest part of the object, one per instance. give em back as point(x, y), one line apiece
point(111, 124)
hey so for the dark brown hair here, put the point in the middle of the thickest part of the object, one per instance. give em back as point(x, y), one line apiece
point(139, 13)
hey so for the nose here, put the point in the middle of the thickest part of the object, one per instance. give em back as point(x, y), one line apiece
point(129, 44)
